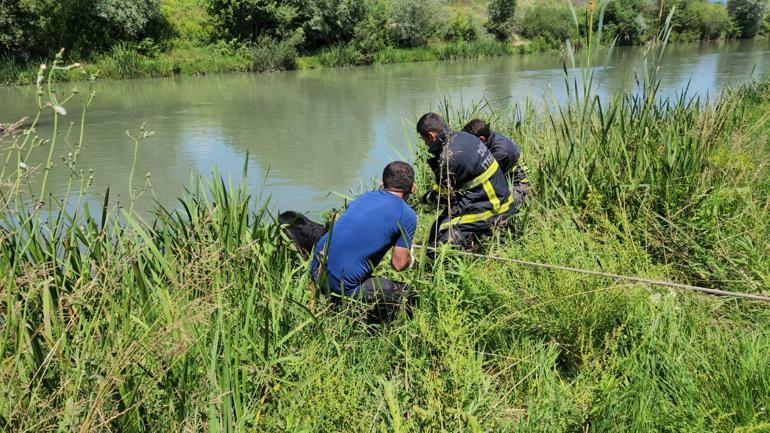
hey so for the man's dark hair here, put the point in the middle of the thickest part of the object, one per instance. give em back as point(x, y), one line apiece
point(478, 127)
point(399, 176)
point(430, 122)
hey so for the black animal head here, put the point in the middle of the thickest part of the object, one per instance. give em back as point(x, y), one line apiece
point(301, 230)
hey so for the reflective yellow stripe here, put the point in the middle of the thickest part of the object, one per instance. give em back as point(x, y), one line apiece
point(440, 189)
point(524, 169)
point(472, 218)
point(483, 177)
point(490, 190)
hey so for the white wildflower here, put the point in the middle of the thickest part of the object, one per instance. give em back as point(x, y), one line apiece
point(60, 110)
point(23, 166)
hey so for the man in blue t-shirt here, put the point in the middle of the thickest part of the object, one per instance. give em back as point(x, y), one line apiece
point(345, 257)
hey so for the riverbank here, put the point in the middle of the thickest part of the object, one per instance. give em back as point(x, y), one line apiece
point(128, 63)
point(202, 319)
point(193, 37)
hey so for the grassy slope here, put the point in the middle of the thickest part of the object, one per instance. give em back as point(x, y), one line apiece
point(200, 321)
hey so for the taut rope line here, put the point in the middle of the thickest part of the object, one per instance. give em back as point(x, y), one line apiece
point(715, 292)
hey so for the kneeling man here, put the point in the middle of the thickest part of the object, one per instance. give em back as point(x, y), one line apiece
point(375, 222)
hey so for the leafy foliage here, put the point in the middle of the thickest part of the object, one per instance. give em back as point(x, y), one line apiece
point(628, 21)
point(372, 34)
point(701, 20)
point(269, 54)
point(748, 15)
point(501, 14)
point(463, 26)
point(190, 21)
point(548, 22)
point(339, 32)
point(19, 28)
point(40, 27)
point(414, 23)
point(329, 22)
point(250, 20)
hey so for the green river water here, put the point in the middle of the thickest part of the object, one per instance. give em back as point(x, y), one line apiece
point(312, 135)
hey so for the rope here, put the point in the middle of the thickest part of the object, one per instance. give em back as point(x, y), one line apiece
point(715, 292)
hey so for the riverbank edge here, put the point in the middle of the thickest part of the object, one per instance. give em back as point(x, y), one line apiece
point(199, 61)
point(124, 64)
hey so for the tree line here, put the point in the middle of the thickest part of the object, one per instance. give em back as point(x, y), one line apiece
point(281, 29)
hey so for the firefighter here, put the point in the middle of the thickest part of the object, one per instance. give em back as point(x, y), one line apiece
point(470, 187)
point(508, 156)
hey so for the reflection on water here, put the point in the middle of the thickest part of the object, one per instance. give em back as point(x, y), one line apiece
point(308, 133)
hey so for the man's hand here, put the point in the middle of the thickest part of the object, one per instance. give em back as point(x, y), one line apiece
point(401, 258)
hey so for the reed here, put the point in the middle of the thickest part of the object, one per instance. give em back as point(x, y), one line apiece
point(197, 318)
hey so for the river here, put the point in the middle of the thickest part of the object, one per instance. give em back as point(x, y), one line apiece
point(314, 135)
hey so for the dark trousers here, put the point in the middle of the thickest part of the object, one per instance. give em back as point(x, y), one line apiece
point(384, 296)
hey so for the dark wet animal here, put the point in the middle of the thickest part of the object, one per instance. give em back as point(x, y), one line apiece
point(301, 230)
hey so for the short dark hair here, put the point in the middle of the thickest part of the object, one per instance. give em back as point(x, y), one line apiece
point(430, 122)
point(398, 175)
point(478, 127)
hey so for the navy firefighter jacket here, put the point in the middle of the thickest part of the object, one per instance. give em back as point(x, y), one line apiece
point(506, 152)
point(467, 175)
point(508, 155)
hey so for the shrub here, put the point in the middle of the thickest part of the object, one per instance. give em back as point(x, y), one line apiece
point(252, 20)
point(626, 21)
point(340, 55)
point(36, 28)
point(269, 54)
point(700, 20)
point(87, 26)
point(748, 15)
point(19, 29)
point(372, 33)
point(189, 20)
point(549, 22)
point(328, 22)
point(765, 29)
point(414, 23)
point(715, 21)
point(463, 27)
point(501, 14)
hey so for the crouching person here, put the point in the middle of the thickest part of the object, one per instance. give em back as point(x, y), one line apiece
point(508, 156)
point(470, 188)
point(375, 222)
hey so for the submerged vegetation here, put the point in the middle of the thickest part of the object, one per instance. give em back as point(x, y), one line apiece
point(152, 38)
point(201, 318)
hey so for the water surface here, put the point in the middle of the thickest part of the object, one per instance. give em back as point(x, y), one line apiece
point(311, 133)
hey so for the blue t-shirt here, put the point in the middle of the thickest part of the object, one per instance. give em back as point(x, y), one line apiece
point(372, 224)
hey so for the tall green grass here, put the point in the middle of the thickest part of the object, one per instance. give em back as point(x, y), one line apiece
point(125, 61)
point(348, 55)
point(198, 318)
